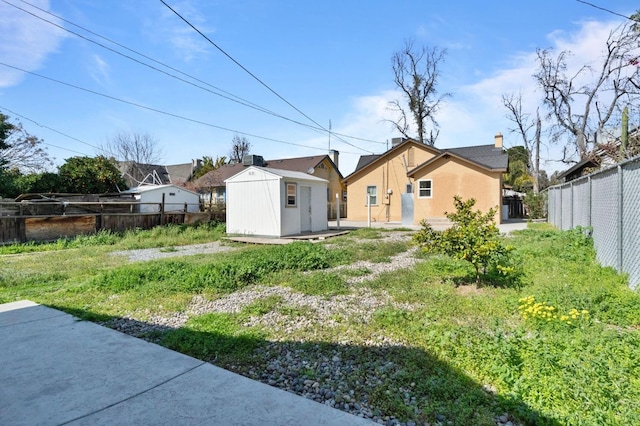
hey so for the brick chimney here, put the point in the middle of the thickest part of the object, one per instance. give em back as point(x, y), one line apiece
point(333, 154)
point(498, 140)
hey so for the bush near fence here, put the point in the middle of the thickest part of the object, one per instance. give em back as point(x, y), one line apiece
point(607, 203)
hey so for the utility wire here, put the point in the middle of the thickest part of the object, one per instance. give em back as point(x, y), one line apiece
point(227, 95)
point(47, 127)
point(254, 76)
point(161, 111)
point(606, 10)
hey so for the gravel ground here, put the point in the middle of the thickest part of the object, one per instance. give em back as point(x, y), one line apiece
point(143, 255)
point(345, 374)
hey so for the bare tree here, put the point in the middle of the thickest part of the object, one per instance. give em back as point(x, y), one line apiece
point(416, 72)
point(134, 151)
point(580, 111)
point(240, 146)
point(141, 148)
point(20, 150)
point(524, 124)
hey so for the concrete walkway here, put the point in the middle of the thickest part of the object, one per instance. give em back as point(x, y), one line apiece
point(56, 369)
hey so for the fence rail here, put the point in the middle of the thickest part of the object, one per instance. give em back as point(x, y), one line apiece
point(609, 203)
point(46, 221)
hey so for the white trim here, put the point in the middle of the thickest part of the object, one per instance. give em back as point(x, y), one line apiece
point(430, 189)
point(372, 195)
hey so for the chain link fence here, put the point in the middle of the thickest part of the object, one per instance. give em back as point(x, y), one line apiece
point(609, 203)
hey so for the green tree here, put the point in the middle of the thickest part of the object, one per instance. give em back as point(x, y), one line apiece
point(209, 164)
point(473, 237)
point(8, 183)
point(39, 183)
point(518, 175)
point(91, 175)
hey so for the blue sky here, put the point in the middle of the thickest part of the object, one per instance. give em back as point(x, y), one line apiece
point(330, 59)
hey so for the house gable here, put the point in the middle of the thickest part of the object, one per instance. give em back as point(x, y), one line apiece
point(410, 149)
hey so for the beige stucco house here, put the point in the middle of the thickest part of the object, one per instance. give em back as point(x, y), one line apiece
point(414, 181)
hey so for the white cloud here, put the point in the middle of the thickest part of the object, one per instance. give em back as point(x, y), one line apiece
point(26, 40)
point(183, 39)
point(99, 70)
point(475, 112)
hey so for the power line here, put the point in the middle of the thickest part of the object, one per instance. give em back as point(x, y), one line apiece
point(606, 10)
point(230, 97)
point(254, 76)
point(52, 129)
point(160, 111)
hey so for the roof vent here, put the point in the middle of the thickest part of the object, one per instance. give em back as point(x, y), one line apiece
point(253, 160)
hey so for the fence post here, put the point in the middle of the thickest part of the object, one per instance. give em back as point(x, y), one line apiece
point(162, 210)
point(571, 210)
point(620, 218)
point(338, 210)
point(589, 206)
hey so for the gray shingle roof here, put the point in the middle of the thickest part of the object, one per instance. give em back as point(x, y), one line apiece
point(485, 155)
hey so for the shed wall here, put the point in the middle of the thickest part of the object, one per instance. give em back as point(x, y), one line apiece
point(253, 206)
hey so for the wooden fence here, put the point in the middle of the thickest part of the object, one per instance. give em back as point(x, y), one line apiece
point(47, 221)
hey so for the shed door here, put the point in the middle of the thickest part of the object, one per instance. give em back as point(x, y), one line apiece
point(305, 209)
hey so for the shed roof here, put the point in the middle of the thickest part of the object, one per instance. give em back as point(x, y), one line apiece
point(300, 164)
point(282, 174)
point(151, 188)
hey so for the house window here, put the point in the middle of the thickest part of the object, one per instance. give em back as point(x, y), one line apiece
point(373, 193)
point(409, 189)
point(425, 188)
point(292, 190)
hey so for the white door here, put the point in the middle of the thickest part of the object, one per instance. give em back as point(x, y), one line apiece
point(305, 209)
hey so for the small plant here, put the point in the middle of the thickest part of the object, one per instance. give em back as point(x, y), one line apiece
point(541, 311)
point(474, 237)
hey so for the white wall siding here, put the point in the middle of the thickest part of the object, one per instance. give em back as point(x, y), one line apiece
point(252, 206)
point(174, 199)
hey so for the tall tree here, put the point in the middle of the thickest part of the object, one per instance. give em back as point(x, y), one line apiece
point(581, 103)
point(20, 150)
point(133, 150)
point(138, 147)
point(91, 175)
point(524, 125)
point(240, 146)
point(416, 72)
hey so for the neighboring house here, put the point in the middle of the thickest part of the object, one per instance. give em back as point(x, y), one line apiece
point(138, 174)
point(606, 154)
point(273, 202)
point(174, 198)
point(414, 181)
point(212, 184)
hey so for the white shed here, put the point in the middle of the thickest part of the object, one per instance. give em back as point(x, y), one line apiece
point(272, 202)
point(175, 198)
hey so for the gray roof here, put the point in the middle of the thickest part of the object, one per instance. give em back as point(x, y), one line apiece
point(485, 155)
point(366, 159)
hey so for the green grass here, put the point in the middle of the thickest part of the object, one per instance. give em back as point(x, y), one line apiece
point(161, 236)
point(467, 353)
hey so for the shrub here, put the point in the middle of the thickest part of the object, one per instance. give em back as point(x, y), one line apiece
point(536, 204)
point(473, 237)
